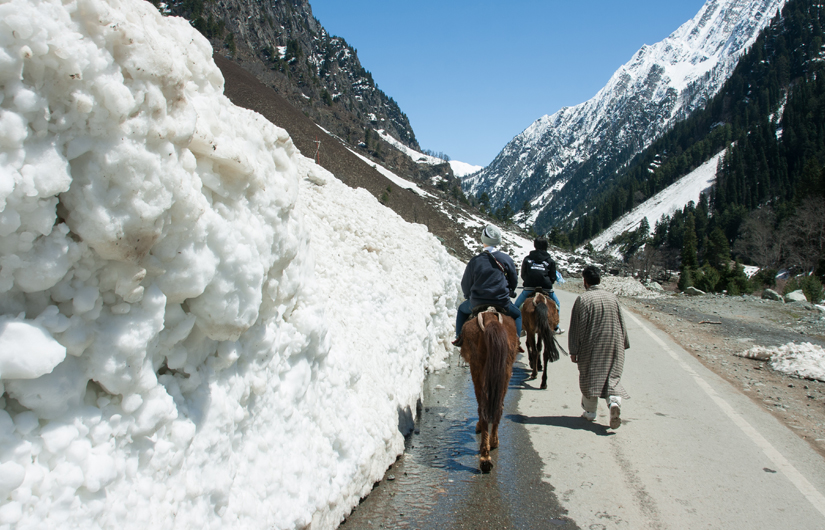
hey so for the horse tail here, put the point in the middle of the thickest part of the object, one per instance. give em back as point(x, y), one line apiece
point(545, 331)
point(495, 337)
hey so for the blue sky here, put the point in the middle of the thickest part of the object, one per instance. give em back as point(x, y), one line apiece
point(471, 75)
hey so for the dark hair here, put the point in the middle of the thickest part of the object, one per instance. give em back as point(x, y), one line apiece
point(591, 275)
point(540, 244)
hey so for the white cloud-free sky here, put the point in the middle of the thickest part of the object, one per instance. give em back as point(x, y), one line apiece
point(471, 75)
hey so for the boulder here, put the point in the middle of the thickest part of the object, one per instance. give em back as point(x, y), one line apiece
point(796, 296)
point(653, 286)
point(770, 294)
point(693, 291)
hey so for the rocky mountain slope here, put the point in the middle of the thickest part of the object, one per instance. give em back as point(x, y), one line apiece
point(554, 162)
point(285, 47)
point(431, 205)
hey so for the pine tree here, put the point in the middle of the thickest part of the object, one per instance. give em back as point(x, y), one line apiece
point(717, 253)
point(689, 260)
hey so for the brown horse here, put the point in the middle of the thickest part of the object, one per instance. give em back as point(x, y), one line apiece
point(490, 345)
point(540, 317)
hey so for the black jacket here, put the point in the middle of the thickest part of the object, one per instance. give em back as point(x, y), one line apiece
point(538, 270)
point(484, 283)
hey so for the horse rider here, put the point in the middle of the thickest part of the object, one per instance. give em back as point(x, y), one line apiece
point(490, 279)
point(538, 270)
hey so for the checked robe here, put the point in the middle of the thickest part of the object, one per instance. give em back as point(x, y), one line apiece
point(598, 336)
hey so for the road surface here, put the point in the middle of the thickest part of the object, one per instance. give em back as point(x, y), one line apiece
point(692, 452)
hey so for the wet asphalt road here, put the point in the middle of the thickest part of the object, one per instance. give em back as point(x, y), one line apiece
point(436, 483)
point(693, 452)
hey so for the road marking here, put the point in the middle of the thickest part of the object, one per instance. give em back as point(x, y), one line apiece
point(791, 473)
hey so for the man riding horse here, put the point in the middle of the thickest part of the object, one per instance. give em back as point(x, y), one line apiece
point(538, 272)
point(490, 279)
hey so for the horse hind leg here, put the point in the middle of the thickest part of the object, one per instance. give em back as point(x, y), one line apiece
point(532, 355)
point(494, 436)
point(549, 350)
point(485, 462)
point(544, 375)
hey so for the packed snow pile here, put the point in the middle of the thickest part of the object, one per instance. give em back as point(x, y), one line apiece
point(625, 286)
point(199, 328)
point(803, 360)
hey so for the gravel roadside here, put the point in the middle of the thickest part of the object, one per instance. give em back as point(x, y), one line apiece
point(714, 327)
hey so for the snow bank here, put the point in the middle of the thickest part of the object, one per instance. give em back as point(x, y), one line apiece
point(803, 360)
point(198, 327)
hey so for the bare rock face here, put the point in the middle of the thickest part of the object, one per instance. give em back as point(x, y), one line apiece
point(693, 291)
point(286, 47)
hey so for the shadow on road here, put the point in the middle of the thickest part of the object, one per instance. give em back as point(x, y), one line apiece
point(575, 423)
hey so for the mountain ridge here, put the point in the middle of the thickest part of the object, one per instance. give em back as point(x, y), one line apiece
point(286, 48)
point(586, 144)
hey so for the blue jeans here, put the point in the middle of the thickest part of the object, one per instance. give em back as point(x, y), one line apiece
point(465, 310)
point(527, 292)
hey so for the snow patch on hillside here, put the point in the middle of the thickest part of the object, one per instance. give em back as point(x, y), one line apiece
point(416, 156)
point(461, 169)
point(666, 202)
point(803, 360)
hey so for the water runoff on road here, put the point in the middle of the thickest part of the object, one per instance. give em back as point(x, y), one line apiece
point(436, 482)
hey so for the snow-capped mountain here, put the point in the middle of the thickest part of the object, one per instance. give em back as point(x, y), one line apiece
point(586, 144)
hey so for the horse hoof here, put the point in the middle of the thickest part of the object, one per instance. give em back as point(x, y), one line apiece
point(486, 465)
point(532, 376)
point(543, 386)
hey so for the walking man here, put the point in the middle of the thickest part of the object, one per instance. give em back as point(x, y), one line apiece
point(597, 341)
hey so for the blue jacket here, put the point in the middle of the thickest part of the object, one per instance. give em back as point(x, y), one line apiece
point(484, 283)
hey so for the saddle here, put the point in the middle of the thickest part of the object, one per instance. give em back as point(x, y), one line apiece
point(478, 310)
point(486, 307)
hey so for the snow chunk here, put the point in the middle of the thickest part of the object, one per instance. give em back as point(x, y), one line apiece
point(27, 349)
point(803, 360)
